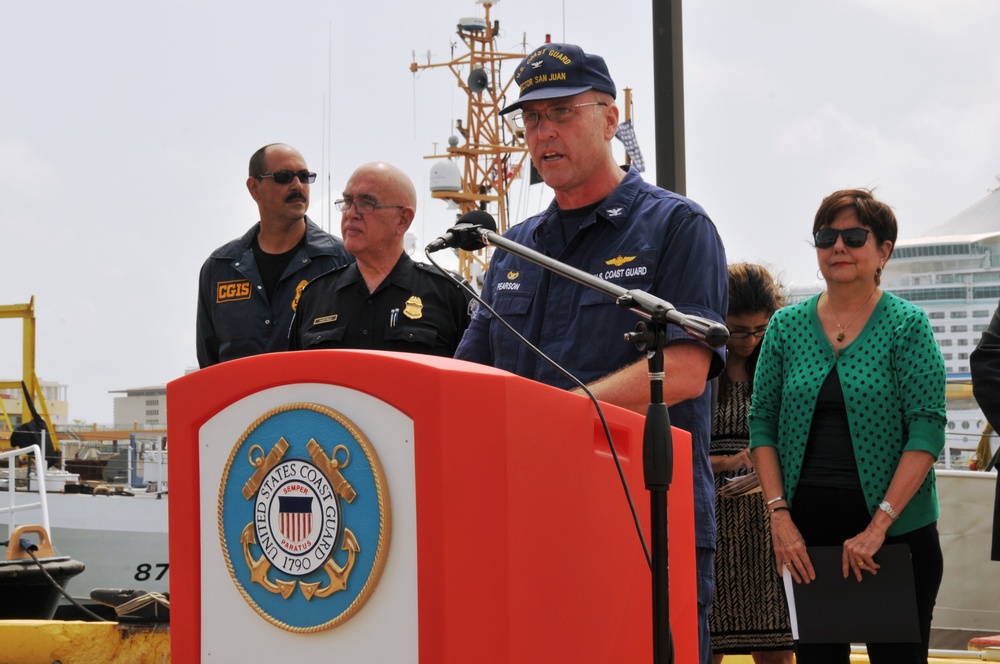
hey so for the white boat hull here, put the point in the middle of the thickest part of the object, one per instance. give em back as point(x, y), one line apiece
point(122, 540)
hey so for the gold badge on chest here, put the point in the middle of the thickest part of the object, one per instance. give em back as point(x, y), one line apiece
point(414, 308)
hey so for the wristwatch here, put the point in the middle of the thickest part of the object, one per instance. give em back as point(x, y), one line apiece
point(887, 508)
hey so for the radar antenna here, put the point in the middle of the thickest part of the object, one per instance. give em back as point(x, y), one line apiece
point(493, 151)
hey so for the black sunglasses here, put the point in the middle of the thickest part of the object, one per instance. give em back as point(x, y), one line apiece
point(853, 237)
point(285, 177)
point(746, 334)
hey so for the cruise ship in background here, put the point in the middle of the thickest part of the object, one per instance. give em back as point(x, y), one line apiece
point(953, 272)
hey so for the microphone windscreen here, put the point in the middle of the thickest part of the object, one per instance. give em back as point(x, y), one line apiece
point(479, 218)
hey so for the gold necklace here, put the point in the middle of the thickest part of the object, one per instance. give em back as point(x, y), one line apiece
point(841, 328)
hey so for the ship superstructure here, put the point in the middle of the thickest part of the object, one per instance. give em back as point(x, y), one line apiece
point(478, 168)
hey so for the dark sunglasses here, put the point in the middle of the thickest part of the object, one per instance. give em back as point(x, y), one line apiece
point(285, 177)
point(853, 237)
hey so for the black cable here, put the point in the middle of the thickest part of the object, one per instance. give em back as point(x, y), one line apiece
point(597, 404)
point(30, 549)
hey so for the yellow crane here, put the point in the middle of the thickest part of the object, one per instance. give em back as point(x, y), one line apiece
point(29, 381)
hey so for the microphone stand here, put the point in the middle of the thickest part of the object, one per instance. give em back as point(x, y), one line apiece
point(657, 445)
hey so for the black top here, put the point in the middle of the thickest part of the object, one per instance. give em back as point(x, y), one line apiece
point(415, 309)
point(830, 459)
point(272, 266)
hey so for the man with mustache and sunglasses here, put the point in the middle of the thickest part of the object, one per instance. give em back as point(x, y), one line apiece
point(249, 288)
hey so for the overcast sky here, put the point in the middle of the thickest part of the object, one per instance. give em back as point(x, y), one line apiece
point(125, 130)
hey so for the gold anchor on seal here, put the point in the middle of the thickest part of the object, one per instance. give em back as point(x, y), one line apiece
point(263, 464)
point(331, 468)
point(260, 567)
point(337, 574)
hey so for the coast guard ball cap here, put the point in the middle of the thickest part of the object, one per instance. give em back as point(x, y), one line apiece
point(560, 70)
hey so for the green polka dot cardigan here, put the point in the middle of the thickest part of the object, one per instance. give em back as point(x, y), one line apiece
point(893, 378)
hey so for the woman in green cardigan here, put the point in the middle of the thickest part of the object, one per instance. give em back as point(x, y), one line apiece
point(848, 419)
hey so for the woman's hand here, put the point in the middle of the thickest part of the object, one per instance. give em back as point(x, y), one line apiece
point(789, 547)
point(738, 461)
point(907, 478)
point(741, 460)
point(860, 549)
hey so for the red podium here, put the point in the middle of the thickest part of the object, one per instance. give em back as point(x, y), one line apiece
point(407, 508)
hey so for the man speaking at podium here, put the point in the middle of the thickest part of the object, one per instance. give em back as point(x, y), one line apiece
point(609, 223)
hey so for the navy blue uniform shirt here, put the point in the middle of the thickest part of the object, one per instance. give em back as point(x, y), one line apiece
point(235, 316)
point(639, 237)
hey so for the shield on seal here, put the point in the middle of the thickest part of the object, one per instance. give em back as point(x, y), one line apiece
point(296, 516)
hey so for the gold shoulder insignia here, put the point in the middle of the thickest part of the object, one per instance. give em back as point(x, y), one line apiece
point(298, 293)
point(512, 275)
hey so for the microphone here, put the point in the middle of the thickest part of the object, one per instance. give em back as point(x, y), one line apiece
point(714, 334)
point(467, 233)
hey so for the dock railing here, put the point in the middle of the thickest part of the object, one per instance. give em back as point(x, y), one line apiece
point(12, 505)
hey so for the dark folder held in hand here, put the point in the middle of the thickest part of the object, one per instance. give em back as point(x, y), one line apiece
point(832, 609)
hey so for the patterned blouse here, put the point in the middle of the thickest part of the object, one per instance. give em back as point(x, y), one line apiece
point(893, 378)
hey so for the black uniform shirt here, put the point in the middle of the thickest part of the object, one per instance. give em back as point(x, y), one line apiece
point(236, 317)
point(415, 309)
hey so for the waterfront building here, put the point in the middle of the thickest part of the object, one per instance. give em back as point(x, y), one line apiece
point(55, 401)
point(142, 407)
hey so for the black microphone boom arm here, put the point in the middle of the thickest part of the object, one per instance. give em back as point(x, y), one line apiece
point(637, 301)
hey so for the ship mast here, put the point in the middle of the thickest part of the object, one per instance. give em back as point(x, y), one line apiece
point(493, 151)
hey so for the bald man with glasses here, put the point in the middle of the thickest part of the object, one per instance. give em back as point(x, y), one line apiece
point(249, 288)
point(384, 301)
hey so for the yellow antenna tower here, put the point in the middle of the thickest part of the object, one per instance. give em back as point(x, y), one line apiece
point(478, 172)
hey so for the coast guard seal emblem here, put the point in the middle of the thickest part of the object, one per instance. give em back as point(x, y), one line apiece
point(304, 517)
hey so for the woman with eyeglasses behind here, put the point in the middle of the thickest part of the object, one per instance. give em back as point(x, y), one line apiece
point(749, 614)
point(848, 418)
